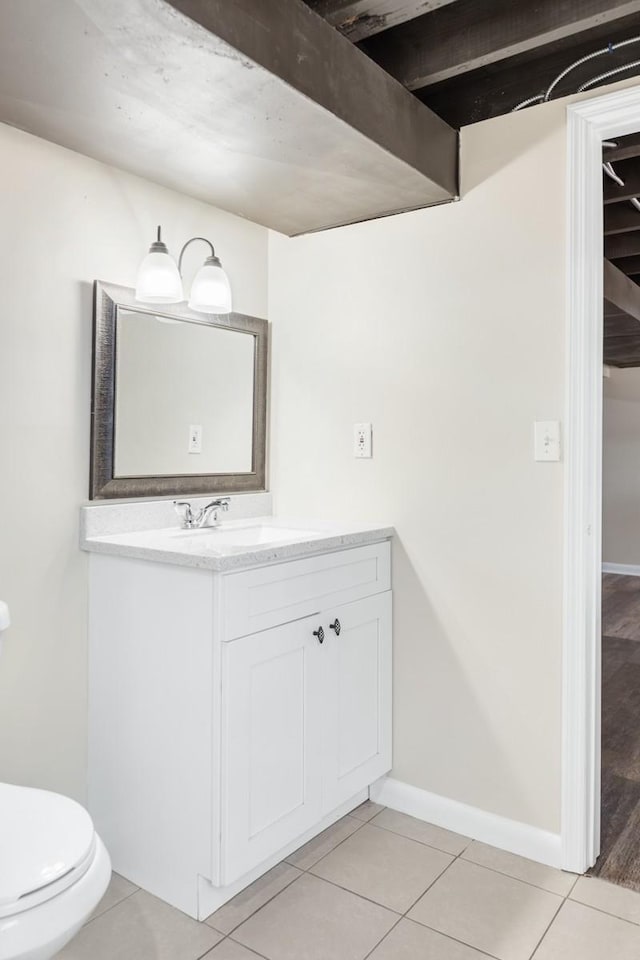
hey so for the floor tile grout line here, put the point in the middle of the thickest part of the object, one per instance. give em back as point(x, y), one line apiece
point(376, 902)
point(405, 916)
point(361, 896)
point(463, 942)
point(308, 873)
point(352, 814)
point(113, 906)
point(239, 943)
point(449, 936)
point(510, 876)
point(606, 913)
point(471, 841)
point(214, 947)
point(529, 883)
point(362, 823)
point(455, 857)
point(434, 881)
point(375, 946)
point(460, 855)
point(400, 916)
point(258, 909)
point(573, 885)
point(318, 877)
point(547, 928)
point(423, 843)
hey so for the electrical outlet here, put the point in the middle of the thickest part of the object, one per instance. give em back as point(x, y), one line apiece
point(362, 440)
point(195, 438)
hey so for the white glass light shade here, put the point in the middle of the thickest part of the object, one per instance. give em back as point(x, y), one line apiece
point(210, 291)
point(158, 279)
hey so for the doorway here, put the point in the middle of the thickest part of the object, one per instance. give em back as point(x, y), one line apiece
point(619, 859)
point(589, 124)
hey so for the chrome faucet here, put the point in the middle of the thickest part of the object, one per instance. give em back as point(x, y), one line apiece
point(192, 519)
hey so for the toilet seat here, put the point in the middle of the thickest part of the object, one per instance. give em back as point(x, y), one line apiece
point(41, 931)
point(47, 842)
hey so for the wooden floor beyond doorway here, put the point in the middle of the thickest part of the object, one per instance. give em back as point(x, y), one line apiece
point(619, 860)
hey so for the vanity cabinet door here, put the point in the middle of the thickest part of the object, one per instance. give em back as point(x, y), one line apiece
point(357, 707)
point(272, 762)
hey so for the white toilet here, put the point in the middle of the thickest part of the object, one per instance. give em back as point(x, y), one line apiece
point(54, 868)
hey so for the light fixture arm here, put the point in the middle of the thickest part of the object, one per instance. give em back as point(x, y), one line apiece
point(160, 279)
point(193, 240)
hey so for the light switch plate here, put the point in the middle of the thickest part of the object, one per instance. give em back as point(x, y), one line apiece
point(362, 440)
point(195, 438)
point(546, 440)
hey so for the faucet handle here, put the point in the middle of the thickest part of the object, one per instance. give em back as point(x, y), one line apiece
point(222, 503)
point(184, 511)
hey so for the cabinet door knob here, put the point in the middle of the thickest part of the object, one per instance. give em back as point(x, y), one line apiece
point(319, 633)
point(336, 626)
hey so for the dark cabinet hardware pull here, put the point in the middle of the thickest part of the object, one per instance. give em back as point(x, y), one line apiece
point(336, 626)
point(319, 633)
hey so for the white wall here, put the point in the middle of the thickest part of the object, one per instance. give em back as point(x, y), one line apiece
point(445, 328)
point(66, 220)
point(621, 467)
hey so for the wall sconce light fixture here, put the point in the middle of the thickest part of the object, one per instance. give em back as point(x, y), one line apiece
point(160, 280)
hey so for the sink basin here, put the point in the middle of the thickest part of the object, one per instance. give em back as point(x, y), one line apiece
point(259, 534)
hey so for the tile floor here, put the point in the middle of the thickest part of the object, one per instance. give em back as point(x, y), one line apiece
point(380, 885)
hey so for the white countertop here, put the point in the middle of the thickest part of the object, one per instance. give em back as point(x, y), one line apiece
point(236, 544)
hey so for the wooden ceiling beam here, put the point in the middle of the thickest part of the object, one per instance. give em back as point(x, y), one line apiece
point(621, 218)
point(622, 245)
point(620, 325)
point(628, 147)
point(307, 58)
point(359, 19)
point(472, 34)
point(623, 358)
point(622, 240)
point(623, 339)
point(630, 173)
point(629, 265)
point(620, 291)
point(496, 89)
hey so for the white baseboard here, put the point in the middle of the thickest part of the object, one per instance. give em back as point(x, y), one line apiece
point(520, 838)
point(623, 569)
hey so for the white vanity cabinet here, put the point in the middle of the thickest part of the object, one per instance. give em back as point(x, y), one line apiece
point(306, 725)
point(233, 715)
point(356, 712)
point(272, 742)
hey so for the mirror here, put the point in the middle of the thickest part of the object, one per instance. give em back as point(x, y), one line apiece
point(183, 397)
point(179, 399)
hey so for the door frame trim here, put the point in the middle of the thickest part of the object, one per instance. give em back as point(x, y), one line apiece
point(588, 124)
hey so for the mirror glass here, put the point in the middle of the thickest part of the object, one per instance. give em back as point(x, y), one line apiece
point(179, 400)
point(184, 397)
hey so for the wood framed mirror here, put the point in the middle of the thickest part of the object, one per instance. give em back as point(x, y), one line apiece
point(179, 399)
